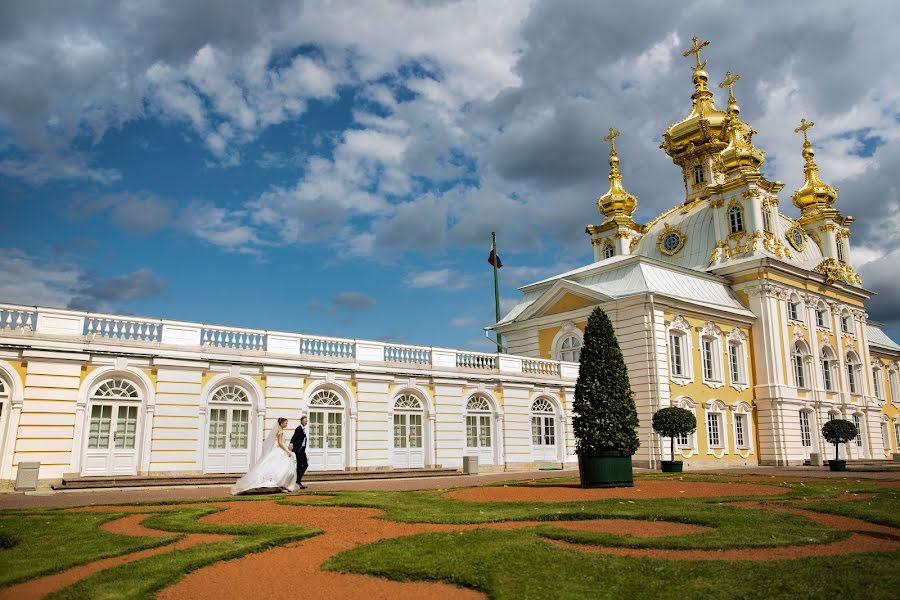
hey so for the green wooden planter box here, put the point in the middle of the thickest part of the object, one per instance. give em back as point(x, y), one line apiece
point(837, 465)
point(672, 466)
point(610, 468)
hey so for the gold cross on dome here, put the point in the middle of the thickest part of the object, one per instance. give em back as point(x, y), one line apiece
point(804, 126)
point(611, 138)
point(730, 80)
point(695, 50)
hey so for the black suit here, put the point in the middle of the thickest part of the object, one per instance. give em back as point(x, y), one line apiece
point(299, 442)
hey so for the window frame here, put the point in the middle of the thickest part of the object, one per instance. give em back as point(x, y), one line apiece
point(717, 417)
point(681, 329)
point(736, 219)
point(711, 372)
point(608, 250)
point(853, 371)
point(799, 354)
point(699, 175)
point(805, 428)
point(793, 309)
point(827, 361)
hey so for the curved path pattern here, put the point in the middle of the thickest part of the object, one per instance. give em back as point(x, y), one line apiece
point(295, 569)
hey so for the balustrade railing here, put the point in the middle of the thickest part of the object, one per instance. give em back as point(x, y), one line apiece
point(22, 320)
point(328, 347)
point(13, 318)
point(476, 360)
point(538, 366)
point(414, 355)
point(122, 328)
point(241, 339)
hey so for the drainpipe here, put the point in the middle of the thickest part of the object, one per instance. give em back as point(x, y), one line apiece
point(656, 382)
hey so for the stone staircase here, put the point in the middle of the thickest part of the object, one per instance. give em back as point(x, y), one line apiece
point(138, 481)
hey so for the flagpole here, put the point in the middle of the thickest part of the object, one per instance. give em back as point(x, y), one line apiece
point(496, 289)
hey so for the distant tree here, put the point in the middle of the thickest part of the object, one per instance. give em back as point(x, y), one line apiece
point(605, 417)
point(672, 422)
point(839, 431)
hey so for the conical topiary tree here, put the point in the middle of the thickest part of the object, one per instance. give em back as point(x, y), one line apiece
point(605, 417)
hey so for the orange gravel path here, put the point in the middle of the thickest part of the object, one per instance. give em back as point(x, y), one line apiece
point(129, 525)
point(643, 489)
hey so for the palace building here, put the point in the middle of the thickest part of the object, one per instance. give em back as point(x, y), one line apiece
point(723, 305)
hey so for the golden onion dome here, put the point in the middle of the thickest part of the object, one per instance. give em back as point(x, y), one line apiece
point(705, 124)
point(740, 153)
point(616, 201)
point(813, 194)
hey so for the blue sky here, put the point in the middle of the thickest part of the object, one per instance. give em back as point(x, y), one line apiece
point(338, 168)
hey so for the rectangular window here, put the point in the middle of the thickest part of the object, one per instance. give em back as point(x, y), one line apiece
point(885, 436)
point(484, 431)
point(805, 437)
point(897, 436)
point(740, 429)
point(845, 324)
point(683, 441)
point(240, 428)
point(826, 375)
point(415, 431)
point(676, 355)
point(793, 311)
point(713, 423)
point(698, 174)
point(851, 378)
point(316, 430)
point(217, 421)
point(767, 222)
point(335, 430)
point(399, 431)
point(799, 374)
point(536, 437)
point(549, 431)
point(734, 359)
point(101, 421)
point(895, 388)
point(820, 317)
point(471, 431)
point(859, 435)
point(707, 359)
point(876, 381)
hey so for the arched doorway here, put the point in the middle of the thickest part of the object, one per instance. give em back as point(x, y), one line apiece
point(409, 439)
point(325, 447)
point(480, 430)
point(543, 431)
point(113, 429)
point(229, 435)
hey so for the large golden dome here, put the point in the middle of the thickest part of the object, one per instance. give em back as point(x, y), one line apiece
point(616, 201)
point(813, 195)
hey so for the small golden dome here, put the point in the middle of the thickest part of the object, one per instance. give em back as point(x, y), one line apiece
point(616, 201)
point(740, 153)
point(813, 195)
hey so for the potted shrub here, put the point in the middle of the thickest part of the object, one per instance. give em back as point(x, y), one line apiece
point(673, 422)
point(604, 415)
point(838, 431)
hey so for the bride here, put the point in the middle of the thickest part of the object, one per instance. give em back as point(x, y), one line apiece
point(276, 469)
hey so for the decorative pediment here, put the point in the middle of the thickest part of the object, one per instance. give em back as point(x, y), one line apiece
point(679, 323)
point(561, 297)
point(710, 329)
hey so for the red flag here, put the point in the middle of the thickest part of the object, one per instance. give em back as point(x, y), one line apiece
point(495, 257)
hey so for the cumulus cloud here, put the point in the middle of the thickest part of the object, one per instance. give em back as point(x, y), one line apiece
point(348, 302)
point(443, 279)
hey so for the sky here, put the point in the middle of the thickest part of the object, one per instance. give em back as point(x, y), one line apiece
point(337, 168)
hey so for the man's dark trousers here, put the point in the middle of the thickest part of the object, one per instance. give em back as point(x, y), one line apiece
point(299, 442)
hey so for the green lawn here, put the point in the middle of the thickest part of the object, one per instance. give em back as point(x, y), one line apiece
point(520, 563)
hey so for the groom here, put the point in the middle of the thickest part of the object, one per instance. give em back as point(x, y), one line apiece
point(298, 447)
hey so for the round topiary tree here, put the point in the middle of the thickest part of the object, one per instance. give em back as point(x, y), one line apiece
point(839, 431)
point(604, 417)
point(672, 422)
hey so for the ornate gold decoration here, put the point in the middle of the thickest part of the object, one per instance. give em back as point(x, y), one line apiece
point(669, 231)
point(616, 201)
point(834, 270)
point(827, 227)
point(813, 197)
point(740, 153)
point(695, 49)
point(796, 237)
point(717, 203)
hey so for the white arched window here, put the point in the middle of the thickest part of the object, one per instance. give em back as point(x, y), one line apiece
point(736, 219)
point(478, 423)
point(821, 315)
point(711, 354)
point(853, 379)
point(737, 358)
point(894, 386)
point(828, 365)
point(326, 421)
point(793, 305)
point(846, 322)
point(679, 337)
point(877, 381)
point(858, 421)
point(543, 423)
point(741, 425)
point(570, 348)
point(840, 249)
point(806, 428)
point(230, 393)
point(608, 250)
point(409, 439)
point(767, 219)
point(715, 426)
point(798, 360)
point(125, 417)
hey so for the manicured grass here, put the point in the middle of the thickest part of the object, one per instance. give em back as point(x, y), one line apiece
point(141, 579)
point(46, 542)
point(732, 526)
point(519, 564)
point(883, 509)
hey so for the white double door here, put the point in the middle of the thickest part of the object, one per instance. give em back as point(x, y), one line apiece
point(112, 439)
point(543, 438)
point(480, 437)
point(325, 440)
point(409, 442)
point(228, 440)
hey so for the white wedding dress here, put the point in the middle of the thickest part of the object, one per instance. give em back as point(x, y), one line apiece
point(275, 470)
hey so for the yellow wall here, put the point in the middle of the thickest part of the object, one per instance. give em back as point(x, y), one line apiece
point(546, 335)
point(568, 302)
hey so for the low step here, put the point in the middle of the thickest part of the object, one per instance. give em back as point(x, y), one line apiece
point(86, 483)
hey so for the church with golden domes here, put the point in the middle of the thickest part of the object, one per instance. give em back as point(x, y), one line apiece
point(725, 306)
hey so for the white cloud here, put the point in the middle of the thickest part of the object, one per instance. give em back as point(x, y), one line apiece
point(444, 279)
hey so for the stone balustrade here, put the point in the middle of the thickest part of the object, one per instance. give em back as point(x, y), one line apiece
point(94, 328)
